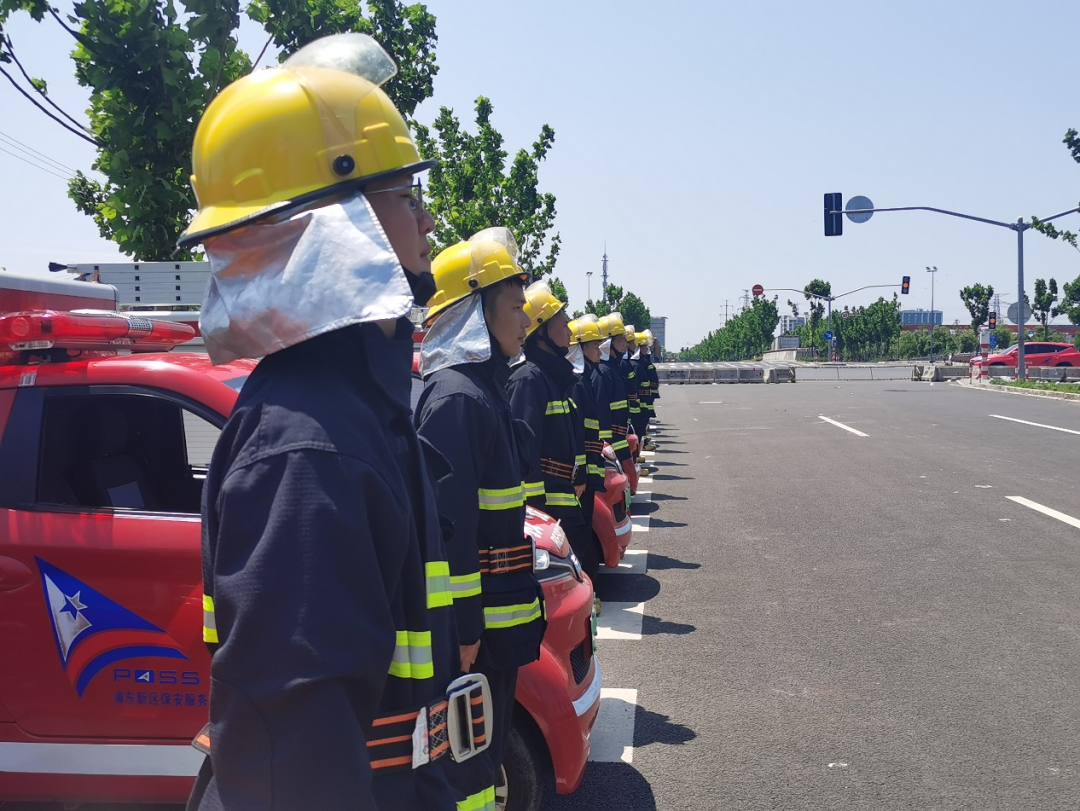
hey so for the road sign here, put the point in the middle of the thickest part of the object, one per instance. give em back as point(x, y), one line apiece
point(1031, 333)
point(846, 314)
point(859, 202)
point(993, 341)
point(828, 335)
point(1014, 313)
point(757, 290)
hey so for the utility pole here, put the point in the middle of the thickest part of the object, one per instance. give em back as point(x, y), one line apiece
point(588, 274)
point(932, 271)
point(725, 312)
point(603, 289)
point(745, 299)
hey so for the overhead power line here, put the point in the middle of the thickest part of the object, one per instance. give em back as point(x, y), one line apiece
point(19, 145)
point(35, 165)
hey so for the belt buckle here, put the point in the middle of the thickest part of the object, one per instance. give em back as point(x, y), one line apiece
point(461, 694)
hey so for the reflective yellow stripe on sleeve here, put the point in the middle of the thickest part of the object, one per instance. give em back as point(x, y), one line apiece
point(591, 424)
point(557, 407)
point(596, 470)
point(605, 434)
point(465, 585)
point(481, 801)
point(580, 460)
point(561, 500)
point(533, 489)
point(412, 656)
point(439, 591)
point(505, 499)
point(618, 446)
point(209, 622)
point(508, 616)
point(617, 405)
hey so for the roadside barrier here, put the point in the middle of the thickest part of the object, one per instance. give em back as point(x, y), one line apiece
point(702, 373)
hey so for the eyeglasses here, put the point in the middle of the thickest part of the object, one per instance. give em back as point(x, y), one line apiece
point(417, 190)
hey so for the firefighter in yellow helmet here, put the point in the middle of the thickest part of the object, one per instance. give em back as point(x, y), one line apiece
point(613, 389)
point(643, 372)
point(478, 325)
point(595, 417)
point(327, 606)
point(540, 396)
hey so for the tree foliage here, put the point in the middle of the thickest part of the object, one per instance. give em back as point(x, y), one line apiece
point(1072, 143)
point(152, 69)
point(1070, 301)
point(745, 336)
point(868, 333)
point(633, 309)
point(471, 187)
point(977, 298)
point(812, 292)
point(1043, 305)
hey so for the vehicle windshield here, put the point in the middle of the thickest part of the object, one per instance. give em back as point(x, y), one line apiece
point(236, 383)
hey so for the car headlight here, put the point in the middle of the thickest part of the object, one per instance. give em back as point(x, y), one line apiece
point(542, 560)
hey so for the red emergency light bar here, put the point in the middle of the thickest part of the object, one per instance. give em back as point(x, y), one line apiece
point(51, 329)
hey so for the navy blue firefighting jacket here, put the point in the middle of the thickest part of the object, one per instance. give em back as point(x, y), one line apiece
point(610, 388)
point(539, 392)
point(464, 413)
point(327, 607)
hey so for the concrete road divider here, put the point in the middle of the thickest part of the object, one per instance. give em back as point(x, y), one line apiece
point(755, 375)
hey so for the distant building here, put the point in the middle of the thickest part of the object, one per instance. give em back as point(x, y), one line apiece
point(790, 323)
point(659, 329)
point(920, 318)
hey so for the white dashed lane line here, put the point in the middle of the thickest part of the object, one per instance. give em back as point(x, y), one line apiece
point(635, 561)
point(1065, 519)
point(841, 425)
point(612, 739)
point(1036, 424)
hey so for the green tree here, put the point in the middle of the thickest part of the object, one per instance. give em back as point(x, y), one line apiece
point(471, 187)
point(633, 309)
point(1005, 338)
point(152, 69)
point(1072, 143)
point(1045, 296)
point(812, 291)
point(1070, 301)
point(558, 289)
point(745, 336)
point(976, 298)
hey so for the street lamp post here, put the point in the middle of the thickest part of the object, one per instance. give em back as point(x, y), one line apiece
point(588, 273)
point(932, 271)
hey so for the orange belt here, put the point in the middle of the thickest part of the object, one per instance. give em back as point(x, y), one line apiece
point(509, 559)
point(559, 469)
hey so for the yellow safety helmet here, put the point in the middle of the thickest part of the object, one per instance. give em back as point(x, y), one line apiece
point(631, 336)
point(611, 325)
point(541, 305)
point(286, 136)
point(585, 329)
point(648, 338)
point(484, 259)
point(640, 339)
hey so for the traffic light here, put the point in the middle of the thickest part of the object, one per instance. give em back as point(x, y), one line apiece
point(905, 285)
point(834, 223)
point(993, 321)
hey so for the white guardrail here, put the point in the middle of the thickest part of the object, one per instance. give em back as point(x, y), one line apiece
point(686, 373)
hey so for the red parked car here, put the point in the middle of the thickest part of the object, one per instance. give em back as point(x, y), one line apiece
point(1036, 353)
point(102, 461)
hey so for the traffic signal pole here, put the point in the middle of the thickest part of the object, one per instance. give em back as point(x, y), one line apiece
point(1019, 227)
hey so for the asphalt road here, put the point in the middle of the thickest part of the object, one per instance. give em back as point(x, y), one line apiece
point(834, 621)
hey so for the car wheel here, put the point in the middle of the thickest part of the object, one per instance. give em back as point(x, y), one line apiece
point(518, 788)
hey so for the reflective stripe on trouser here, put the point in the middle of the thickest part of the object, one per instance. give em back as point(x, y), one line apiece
point(557, 407)
point(620, 445)
point(561, 500)
point(465, 585)
point(504, 499)
point(481, 801)
point(412, 656)
point(617, 405)
point(580, 460)
point(533, 489)
point(596, 470)
point(508, 616)
point(439, 588)
point(209, 623)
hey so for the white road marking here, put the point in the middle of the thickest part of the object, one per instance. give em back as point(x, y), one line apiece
point(644, 480)
point(841, 425)
point(612, 738)
point(635, 561)
point(640, 522)
point(1036, 424)
point(711, 402)
point(642, 497)
point(1066, 519)
point(620, 620)
point(648, 454)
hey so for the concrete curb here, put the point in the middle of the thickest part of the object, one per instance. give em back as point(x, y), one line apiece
point(1051, 395)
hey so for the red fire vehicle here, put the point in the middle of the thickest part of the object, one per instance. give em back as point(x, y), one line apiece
point(105, 438)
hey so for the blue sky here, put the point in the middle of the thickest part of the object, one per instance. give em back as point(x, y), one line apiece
point(697, 139)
